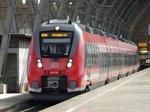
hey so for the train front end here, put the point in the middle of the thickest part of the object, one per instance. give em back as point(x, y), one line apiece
point(56, 59)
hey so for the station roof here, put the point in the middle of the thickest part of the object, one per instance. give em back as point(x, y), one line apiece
point(118, 17)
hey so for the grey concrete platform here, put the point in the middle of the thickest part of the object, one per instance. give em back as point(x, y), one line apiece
point(8, 101)
point(129, 94)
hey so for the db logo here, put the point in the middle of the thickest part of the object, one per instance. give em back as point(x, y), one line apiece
point(54, 65)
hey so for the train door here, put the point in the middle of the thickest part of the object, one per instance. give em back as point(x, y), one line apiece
point(106, 69)
point(107, 61)
point(101, 63)
point(108, 64)
point(87, 61)
point(97, 68)
point(122, 59)
point(124, 62)
point(120, 62)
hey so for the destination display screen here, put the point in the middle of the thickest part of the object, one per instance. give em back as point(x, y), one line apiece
point(56, 34)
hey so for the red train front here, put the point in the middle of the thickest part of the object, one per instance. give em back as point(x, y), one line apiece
point(56, 59)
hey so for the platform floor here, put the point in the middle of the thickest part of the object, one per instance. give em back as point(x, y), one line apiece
point(8, 95)
point(8, 101)
point(129, 94)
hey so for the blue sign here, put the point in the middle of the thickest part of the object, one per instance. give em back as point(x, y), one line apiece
point(148, 55)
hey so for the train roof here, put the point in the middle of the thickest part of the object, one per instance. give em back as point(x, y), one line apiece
point(55, 21)
point(89, 29)
point(102, 33)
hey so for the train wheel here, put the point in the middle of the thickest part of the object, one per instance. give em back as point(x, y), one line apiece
point(107, 81)
point(119, 76)
point(127, 74)
point(88, 88)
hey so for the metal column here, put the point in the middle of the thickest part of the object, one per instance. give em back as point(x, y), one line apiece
point(6, 33)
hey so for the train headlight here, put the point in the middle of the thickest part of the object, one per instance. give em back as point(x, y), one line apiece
point(39, 63)
point(70, 60)
point(69, 64)
point(39, 60)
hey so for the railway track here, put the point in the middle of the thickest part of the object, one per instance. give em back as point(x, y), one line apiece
point(30, 106)
point(39, 106)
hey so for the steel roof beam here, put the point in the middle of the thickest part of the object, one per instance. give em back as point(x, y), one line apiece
point(110, 26)
point(36, 12)
point(121, 18)
point(61, 10)
point(144, 11)
point(77, 6)
point(117, 20)
point(88, 10)
point(135, 12)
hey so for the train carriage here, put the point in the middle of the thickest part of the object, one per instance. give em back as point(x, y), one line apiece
point(68, 58)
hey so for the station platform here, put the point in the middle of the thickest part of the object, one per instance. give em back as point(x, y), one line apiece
point(129, 94)
point(8, 101)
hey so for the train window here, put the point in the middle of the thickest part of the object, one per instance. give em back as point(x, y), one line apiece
point(90, 50)
point(52, 47)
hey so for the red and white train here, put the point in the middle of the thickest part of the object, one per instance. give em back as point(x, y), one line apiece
point(66, 58)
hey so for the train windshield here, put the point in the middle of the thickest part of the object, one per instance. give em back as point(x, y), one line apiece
point(56, 45)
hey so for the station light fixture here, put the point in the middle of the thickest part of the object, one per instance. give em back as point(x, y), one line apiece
point(70, 3)
point(39, 1)
point(24, 1)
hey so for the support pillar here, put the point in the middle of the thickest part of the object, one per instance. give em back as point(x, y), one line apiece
point(6, 34)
